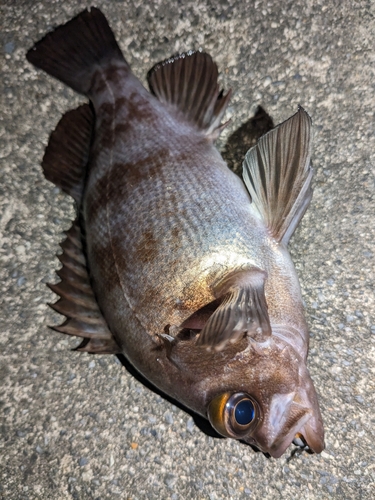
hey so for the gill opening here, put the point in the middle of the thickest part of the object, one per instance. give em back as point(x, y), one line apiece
point(195, 323)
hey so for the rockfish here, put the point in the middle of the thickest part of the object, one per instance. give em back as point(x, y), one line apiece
point(173, 260)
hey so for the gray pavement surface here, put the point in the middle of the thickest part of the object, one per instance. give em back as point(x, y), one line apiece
point(75, 426)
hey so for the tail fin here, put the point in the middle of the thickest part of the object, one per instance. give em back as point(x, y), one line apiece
point(73, 51)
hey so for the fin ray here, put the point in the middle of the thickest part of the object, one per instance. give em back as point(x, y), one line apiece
point(277, 174)
point(189, 82)
point(98, 346)
point(64, 162)
point(77, 300)
point(243, 310)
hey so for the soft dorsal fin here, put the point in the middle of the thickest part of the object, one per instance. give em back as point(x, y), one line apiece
point(64, 162)
point(243, 310)
point(277, 174)
point(77, 300)
point(189, 82)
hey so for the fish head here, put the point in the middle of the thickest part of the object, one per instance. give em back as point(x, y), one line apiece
point(257, 392)
point(273, 403)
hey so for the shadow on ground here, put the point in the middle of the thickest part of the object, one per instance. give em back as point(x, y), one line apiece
point(245, 138)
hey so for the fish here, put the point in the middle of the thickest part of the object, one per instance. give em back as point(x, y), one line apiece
point(173, 260)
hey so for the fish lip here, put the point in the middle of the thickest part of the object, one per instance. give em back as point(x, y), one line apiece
point(314, 441)
point(278, 447)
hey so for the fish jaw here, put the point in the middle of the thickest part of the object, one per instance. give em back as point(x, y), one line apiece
point(287, 420)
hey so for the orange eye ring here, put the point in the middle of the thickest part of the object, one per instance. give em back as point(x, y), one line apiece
point(233, 414)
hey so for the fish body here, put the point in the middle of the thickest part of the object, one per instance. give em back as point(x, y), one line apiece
point(174, 260)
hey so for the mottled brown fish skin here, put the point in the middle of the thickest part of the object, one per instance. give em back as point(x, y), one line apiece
point(166, 198)
point(166, 223)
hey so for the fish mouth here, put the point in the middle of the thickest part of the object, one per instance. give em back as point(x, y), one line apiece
point(280, 444)
point(310, 438)
point(300, 441)
point(306, 438)
point(290, 422)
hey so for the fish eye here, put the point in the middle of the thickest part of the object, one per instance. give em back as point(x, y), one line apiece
point(244, 412)
point(233, 414)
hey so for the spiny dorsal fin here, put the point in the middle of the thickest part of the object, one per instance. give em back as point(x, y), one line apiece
point(64, 162)
point(189, 82)
point(77, 300)
point(243, 309)
point(277, 174)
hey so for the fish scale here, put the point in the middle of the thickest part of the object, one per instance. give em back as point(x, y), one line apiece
point(173, 260)
point(227, 219)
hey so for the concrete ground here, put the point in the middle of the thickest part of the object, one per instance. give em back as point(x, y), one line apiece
point(81, 427)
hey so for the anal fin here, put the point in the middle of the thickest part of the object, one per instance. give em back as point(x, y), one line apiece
point(77, 300)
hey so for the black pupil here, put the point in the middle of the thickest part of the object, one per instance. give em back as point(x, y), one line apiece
point(244, 412)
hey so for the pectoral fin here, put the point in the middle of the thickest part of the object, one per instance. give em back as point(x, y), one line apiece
point(278, 175)
point(243, 310)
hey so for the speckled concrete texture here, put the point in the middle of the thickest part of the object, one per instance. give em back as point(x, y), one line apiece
point(74, 426)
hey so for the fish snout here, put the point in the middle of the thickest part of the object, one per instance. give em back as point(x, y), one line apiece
point(287, 422)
